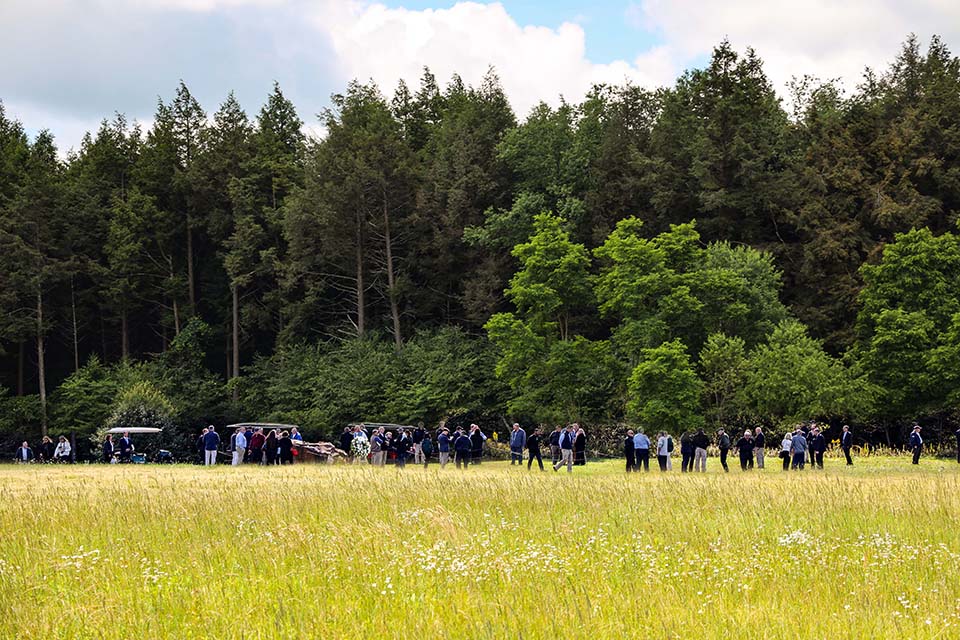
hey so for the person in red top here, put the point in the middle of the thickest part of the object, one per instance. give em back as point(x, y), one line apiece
point(256, 446)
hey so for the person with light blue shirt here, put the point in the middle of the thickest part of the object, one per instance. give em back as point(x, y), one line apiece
point(239, 446)
point(641, 446)
point(518, 440)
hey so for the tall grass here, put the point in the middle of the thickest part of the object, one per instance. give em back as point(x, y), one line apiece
point(493, 552)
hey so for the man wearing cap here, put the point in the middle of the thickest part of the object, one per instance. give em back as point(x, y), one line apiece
point(916, 443)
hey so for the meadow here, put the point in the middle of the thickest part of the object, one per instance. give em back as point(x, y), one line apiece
point(492, 552)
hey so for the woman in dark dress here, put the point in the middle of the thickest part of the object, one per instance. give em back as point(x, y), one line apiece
point(580, 448)
point(108, 449)
point(286, 448)
point(270, 447)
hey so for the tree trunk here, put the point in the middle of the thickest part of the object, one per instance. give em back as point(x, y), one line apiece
point(21, 356)
point(41, 369)
point(190, 282)
point(76, 341)
point(173, 300)
point(236, 338)
point(125, 336)
point(391, 283)
point(360, 292)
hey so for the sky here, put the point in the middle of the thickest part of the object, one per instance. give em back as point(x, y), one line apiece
point(67, 64)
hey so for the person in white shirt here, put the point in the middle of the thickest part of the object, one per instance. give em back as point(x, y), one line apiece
point(239, 446)
point(785, 445)
point(62, 452)
point(663, 451)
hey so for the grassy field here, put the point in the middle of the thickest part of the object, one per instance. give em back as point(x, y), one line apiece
point(493, 552)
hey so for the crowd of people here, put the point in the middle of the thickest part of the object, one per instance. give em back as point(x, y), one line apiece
point(463, 446)
point(249, 445)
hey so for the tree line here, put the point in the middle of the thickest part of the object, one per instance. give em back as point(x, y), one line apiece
point(687, 255)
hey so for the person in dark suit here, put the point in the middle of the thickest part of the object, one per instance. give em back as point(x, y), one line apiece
point(107, 451)
point(477, 438)
point(957, 433)
point(818, 445)
point(200, 448)
point(125, 447)
point(346, 440)
point(916, 443)
point(745, 448)
point(628, 452)
point(580, 448)
point(533, 446)
point(846, 443)
point(461, 448)
point(686, 452)
point(24, 453)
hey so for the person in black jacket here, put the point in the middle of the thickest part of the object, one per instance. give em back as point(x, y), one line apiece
point(916, 443)
point(125, 447)
point(533, 447)
point(957, 433)
point(200, 447)
point(403, 444)
point(270, 447)
point(818, 445)
point(346, 440)
point(745, 448)
point(477, 438)
point(723, 443)
point(846, 442)
point(286, 448)
point(700, 442)
point(628, 452)
point(24, 453)
point(46, 449)
point(108, 449)
point(759, 444)
point(686, 452)
point(461, 448)
point(580, 448)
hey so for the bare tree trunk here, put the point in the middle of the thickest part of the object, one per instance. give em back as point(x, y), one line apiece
point(190, 282)
point(124, 336)
point(391, 282)
point(173, 300)
point(236, 338)
point(360, 292)
point(41, 368)
point(21, 356)
point(76, 341)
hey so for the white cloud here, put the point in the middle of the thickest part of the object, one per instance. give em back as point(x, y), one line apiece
point(63, 64)
point(825, 38)
point(534, 63)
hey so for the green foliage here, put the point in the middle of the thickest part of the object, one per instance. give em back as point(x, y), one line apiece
point(84, 401)
point(670, 287)
point(664, 392)
point(723, 363)
point(791, 378)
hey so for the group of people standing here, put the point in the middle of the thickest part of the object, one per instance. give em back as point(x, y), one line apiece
point(795, 448)
point(248, 444)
